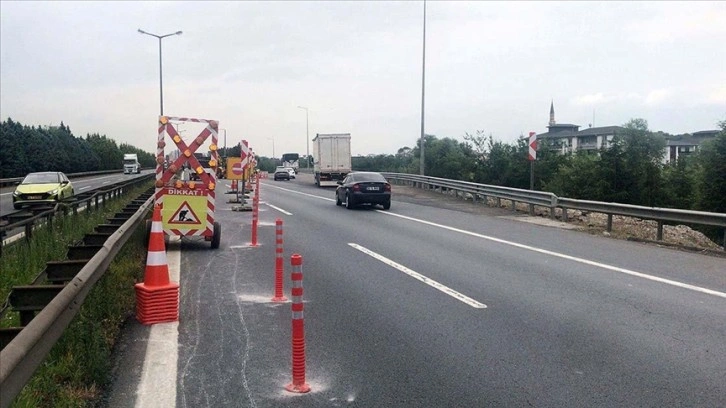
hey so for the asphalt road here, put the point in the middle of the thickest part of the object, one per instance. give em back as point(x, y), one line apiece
point(429, 306)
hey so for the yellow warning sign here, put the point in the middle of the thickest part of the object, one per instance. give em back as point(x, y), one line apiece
point(184, 209)
point(184, 215)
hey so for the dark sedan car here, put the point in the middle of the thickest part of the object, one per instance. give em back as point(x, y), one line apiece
point(363, 188)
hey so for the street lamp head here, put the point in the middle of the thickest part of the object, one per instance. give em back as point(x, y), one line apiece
point(142, 31)
point(178, 33)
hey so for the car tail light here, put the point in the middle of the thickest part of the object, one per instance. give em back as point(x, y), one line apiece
point(355, 187)
point(387, 187)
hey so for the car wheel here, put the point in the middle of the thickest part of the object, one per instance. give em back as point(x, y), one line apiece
point(387, 205)
point(337, 199)
point(348, 202)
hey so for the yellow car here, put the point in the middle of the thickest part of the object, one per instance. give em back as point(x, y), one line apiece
point(47, 187)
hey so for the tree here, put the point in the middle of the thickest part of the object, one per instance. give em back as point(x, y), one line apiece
point(711, 173)
point(580, 177)
point(679, 179)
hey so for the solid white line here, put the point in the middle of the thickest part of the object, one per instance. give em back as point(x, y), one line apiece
point(451, 292)
point(157, 387)
point(85, 188)
point(563, 256)
point(278, 209)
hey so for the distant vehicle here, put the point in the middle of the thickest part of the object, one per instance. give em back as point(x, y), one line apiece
point(363, 187)
point(48, 187)
point(131, 163)
point(281, 173)
point(291, 171)
point(332, 158)
point(291, 160)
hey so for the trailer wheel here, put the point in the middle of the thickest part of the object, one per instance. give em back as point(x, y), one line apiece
point(217, 237)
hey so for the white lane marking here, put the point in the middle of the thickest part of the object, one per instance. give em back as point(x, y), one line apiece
point(436, 285)
point(563, 256)
point(299, 192)
point(86, 187)
point(278, 209)
point(157, 387)
point(544, 251)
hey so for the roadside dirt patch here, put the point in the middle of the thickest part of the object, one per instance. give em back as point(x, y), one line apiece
point(679, 236)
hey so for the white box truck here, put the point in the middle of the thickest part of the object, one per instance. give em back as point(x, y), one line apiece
point(331, 153)
point(131, 163)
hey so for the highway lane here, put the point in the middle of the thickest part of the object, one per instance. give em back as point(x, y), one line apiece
point(79, 184)
point(556, 330)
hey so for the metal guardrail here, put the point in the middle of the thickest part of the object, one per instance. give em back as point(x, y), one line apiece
point(551, 201)
point(22, 356)
point(27, 218)
point(10, 181)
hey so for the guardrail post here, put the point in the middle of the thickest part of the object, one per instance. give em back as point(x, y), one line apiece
point(659, 237)
point(514, 206)
point(610, 222)
point(564, 214)
point(531, 209)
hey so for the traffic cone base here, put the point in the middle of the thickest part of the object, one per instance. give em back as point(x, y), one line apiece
point(157, 299)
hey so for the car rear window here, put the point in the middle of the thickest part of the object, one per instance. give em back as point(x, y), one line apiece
point(370, 177)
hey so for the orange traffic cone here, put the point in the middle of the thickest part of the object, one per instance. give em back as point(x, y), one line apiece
point(157, 299)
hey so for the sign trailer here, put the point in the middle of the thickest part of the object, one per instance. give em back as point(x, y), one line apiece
point(187, 206)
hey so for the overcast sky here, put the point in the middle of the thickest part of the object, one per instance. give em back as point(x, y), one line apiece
point(357, 67)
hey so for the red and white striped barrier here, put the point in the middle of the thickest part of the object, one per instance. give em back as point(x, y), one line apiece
point(298, 329)
point(255, 216)
point(279, 296)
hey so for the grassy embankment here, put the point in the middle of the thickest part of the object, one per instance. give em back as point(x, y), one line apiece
point(76, 370)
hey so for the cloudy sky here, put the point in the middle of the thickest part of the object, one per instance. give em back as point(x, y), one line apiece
point(356, 66)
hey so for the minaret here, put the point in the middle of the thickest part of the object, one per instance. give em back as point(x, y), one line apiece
point(552, 113)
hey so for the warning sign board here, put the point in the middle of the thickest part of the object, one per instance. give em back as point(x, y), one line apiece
point(184, 209)
point(184, 215)
point(234, 163)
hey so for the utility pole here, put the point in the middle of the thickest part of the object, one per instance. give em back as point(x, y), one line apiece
point(423, 90)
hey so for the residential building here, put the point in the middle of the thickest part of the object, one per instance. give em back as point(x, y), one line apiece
point(568, 138)
point(683, 145)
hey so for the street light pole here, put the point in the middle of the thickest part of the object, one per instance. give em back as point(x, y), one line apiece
point(161, 83)
point(307, 137)
point(225, 142)
point(273, 145)
point(423, 87)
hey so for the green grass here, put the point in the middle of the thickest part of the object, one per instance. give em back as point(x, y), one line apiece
point(78, 366)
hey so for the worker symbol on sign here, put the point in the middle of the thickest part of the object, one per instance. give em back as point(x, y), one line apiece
point(184, 215)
